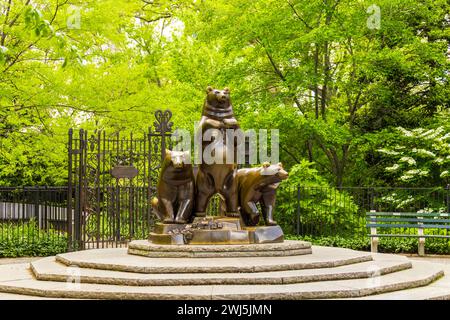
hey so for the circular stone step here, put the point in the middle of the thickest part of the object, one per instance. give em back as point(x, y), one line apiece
point(21, 281)
point(49, 270)
point(286, 248)
point(119, 260)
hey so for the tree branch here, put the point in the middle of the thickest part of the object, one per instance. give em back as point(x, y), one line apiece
point(282, 77)
point(16, 58)
point(298, 16)
point(290, 154)
point(165, 16)
point(2, 41)
point(13, 21)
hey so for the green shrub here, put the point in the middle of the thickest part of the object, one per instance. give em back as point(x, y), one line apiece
point(26, 239)
point(385, 245)
point(323, 209)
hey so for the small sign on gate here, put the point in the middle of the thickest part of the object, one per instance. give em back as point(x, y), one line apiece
point(124, 172)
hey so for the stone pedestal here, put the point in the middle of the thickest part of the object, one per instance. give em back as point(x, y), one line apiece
point(214, 230)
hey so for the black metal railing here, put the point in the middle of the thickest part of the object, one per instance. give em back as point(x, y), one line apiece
point(46, 205)
point(33, 218)
point(315, 211)
point(119, 215)
point(31, 214)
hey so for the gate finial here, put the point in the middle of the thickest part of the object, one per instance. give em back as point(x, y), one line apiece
point(163, 123)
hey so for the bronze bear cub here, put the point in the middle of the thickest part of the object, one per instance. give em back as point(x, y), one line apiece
point(175, 189)
point(258, 185)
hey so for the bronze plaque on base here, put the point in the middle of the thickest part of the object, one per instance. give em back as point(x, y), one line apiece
point(214, 230)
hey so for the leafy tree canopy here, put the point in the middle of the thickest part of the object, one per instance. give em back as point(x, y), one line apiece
point(337, 77)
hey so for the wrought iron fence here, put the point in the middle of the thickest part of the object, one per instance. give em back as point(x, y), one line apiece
point(318, 211)
point(119, 216)
point(112, 177)
point(46, 205)
point(30, 216)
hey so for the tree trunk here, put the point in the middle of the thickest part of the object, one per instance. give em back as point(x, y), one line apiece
point(316, 86)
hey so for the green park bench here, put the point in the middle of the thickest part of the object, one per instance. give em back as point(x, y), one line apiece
point(416, 220)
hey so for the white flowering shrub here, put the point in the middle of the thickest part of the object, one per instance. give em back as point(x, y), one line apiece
point(422, 157)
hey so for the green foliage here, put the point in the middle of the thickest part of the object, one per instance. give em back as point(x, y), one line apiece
point(311, 68)
point(35, 21)
point(325, 208)
point(305, 175)
point(385, 245)
point(337, 90)
point(355, 243)
point(25, 239)
point(318, 61)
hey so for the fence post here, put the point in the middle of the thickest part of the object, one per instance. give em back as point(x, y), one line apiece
point(80, 194)
point(448, 197)
point(448, 203)
point(298, 210)
point(45, 209)
point(36, 214)
point(149, 179)
point(69, 214)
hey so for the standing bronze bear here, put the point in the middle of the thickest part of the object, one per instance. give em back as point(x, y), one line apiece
point(175, 199)
point(217, 177)
point(259, 185)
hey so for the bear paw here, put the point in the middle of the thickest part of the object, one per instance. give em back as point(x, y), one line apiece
point(168, 220)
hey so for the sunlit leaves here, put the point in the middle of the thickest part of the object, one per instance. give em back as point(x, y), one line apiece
point(34, 20)
point(109, 64)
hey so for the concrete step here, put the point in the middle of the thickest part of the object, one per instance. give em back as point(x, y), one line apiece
point(49, 270)
point(17, 272)
point(119, 260)
point(286, 248)
point(421, 274)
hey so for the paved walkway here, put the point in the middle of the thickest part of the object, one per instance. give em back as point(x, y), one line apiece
point(442, 259)
point(8, 296)
point(18, 260)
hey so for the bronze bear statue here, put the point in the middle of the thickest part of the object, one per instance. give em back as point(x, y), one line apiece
point(217, 177)
point(175, 190)
point(258, 185)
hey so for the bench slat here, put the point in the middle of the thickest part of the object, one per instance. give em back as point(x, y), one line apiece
point(409, 235)
point(412, 220)
point(415, 214)
point(408, 220)
point(416, 226)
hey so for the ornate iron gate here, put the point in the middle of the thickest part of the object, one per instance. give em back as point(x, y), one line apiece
point(112, 177)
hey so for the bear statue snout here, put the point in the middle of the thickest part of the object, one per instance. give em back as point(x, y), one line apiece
point(222, 97)
point(178, 159)
point(178, 162)
point(283, 174)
